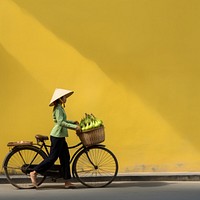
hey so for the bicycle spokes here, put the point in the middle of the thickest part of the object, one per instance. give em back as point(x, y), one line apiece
point(19, 163)
point(96, 167)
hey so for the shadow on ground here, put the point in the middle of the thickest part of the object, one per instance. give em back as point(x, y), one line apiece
point(49, 186)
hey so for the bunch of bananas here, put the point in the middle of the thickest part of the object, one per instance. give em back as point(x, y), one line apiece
point(90, 122)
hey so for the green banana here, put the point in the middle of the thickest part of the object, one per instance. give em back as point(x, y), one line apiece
point(90, 122)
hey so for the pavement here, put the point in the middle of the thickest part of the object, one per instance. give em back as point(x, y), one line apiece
point(146, 176)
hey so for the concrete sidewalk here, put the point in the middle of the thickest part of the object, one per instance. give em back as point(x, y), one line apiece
point(145, 176)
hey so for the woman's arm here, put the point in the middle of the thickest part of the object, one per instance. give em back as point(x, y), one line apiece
point(61, 121)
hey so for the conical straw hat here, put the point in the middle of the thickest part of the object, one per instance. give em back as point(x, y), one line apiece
point(58, 93)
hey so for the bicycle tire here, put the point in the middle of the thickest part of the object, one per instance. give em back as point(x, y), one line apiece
point(17, 161)
point(102, 173)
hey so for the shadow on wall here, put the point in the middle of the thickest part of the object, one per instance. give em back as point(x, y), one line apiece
point(139, 45)
point(22, 97)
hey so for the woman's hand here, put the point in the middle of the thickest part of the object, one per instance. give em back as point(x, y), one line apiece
point(76, 122)
point(78, 130)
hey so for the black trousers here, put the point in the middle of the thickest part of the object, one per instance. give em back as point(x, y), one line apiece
point(59, 149)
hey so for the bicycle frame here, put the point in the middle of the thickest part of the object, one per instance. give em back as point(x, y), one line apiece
point(86, 160)
point(45, 146)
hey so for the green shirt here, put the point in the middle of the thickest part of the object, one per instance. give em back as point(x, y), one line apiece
point(61, 123)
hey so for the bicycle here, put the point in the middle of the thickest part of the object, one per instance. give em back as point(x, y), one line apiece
point(93, 166)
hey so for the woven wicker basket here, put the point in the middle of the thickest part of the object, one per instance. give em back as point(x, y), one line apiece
point(92, 137)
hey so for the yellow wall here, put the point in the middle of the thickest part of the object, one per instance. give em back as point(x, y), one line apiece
point(133, 63)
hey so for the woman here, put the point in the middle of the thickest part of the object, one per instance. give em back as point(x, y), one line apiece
point(59, 147)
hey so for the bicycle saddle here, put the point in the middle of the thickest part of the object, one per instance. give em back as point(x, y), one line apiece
point(41, 138)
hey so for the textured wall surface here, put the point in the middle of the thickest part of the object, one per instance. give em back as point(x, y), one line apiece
point(134, 64)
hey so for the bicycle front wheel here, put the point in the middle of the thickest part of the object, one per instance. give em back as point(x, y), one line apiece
point(95, 166)
point(19, 163)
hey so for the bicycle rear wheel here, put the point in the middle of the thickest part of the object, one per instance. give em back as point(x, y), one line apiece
point(95, 166)
point(18, 164)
